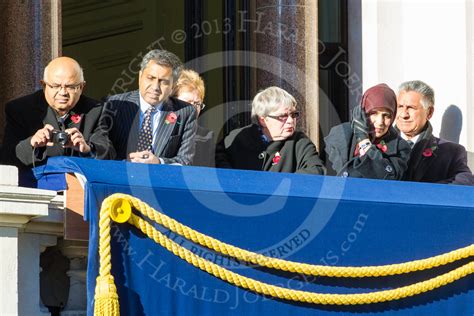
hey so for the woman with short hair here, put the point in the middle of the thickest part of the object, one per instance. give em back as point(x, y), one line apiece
point(271, 143)
point(190, 88)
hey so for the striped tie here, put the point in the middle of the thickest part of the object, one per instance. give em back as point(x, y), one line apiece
point(145, 137)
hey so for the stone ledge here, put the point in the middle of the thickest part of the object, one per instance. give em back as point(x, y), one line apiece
point(21, 194)
point(19, 205)
point(8, 175)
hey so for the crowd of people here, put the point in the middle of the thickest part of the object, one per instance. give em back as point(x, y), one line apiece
point(388, 137)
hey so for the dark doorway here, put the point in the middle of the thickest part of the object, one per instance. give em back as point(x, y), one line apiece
point(333, 63)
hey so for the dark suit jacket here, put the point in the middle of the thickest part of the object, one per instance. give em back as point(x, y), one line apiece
point(174, 142)
point(244, 149)
point(26, 115)
point(340, 145)
point(205, 148)
point(437, 160)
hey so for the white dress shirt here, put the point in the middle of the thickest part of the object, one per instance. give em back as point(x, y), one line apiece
point(413, 139)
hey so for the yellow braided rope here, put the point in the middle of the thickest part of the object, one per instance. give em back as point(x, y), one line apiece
point(286, 265)
point(245, 282)
point(105, 297)
point(297, 295)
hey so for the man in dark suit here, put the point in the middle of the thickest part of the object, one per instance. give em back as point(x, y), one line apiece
point(55, 121)
point(431, 159)
point(147, 125)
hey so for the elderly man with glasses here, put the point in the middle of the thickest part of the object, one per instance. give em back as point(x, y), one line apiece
point(55, 121)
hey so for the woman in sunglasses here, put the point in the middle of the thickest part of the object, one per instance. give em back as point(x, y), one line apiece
point(271, 143)
point(368, 146)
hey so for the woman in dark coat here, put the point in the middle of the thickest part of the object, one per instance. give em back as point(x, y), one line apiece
point(368, 146)
point(271, 143)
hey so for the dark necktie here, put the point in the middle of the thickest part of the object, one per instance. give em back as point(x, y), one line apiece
point(145, 137)
point(411, 143)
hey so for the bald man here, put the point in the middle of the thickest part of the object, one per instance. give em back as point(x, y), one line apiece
point(55, 121)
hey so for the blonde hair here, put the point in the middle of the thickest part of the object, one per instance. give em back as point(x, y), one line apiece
point(190, 80)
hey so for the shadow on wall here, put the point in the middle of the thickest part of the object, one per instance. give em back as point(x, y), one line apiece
point(451, 124)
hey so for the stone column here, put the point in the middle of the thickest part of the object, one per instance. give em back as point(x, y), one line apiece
point(29, 39)
point(76, 252)
point(19, 267)
point(30, 247)
point(286, 40)
point(9, 270)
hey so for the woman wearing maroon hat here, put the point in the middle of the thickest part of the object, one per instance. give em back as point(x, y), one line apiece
point(368, 146)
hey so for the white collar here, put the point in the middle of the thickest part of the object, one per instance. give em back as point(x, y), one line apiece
point(145, 105)
point(413, 139)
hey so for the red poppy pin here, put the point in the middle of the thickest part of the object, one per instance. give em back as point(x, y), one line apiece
point(382, 146)
point(276, 159)
point(76, 118)
point(171, 118)
point(428, 152)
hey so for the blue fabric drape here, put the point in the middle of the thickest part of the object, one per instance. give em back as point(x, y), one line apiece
point(312, 219)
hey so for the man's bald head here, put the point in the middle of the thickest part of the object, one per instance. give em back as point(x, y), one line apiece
point(66, 63)
point(63, 82)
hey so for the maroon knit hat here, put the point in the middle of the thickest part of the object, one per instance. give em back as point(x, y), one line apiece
point(379, 96)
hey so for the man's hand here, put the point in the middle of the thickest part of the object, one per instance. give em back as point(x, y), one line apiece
point(77, 141)
point(42, 137)
point(144, 157)
point(359, 124)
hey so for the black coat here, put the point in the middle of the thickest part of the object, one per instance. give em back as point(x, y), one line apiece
point(244, 148)
point(375, 164)
point(205, 148)
point(437, 160)
point(26, 115)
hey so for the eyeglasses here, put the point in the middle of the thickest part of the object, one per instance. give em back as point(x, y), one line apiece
point(198, 104)
point(70, 88)
point(284, 117)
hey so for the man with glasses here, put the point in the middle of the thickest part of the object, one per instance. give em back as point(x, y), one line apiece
point(271, 143)
point(55, 121)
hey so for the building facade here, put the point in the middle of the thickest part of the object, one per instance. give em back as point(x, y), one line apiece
point(326, 53)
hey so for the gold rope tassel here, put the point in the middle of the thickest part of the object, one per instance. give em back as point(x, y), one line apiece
point(106, 301)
